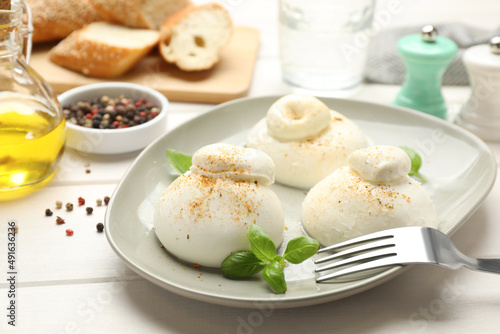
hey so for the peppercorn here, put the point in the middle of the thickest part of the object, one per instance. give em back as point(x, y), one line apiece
point(107, 113)
point(106, 200)
point(89, 210)
point(98, 202)
point(100, 227)
point(120, 110)
point(16, 229)
point(58, 204)
point(83, 105)
point(69, 232)
point(104, 124)
point(69, 206)
point(48, 213)
point(81, 201)
point(60, 221)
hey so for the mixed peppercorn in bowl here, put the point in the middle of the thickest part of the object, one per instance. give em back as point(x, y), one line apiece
point(113, 117)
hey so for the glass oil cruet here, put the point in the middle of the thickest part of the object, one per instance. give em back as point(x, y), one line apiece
point(32, 128)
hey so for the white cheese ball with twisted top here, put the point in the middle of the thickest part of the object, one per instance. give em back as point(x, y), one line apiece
point(306, 139)
point(373, 193)
point(206, 213)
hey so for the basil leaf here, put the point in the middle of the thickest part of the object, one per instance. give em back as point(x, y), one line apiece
point(262, 245)
point(179, 161)
point(242, 264)
point(416, 163)
point(278, 258)
point(275, 277)
point(300, 249)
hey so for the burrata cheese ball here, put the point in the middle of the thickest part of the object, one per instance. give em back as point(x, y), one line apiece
point(306, 139)
point(372, 193)
point(206, 213)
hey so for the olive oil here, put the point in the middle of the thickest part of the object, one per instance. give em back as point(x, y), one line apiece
point(32, 139)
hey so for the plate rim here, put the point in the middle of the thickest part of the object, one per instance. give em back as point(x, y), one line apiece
point(297, 301)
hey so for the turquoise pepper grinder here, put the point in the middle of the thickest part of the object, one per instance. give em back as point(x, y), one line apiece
point(426, 56)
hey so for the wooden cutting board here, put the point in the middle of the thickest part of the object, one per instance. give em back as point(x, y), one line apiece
point(229, 79)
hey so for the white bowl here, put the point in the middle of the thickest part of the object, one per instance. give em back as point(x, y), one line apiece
point(114, 141)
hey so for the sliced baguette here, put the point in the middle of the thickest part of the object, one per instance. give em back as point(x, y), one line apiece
point(148, 14)
point(193, 37)
point(104, 50)
point(56, 19)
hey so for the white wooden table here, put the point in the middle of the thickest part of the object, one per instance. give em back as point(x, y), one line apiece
point(79, 285)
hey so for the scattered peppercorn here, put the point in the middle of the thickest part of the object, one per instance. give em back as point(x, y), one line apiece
point(110, 113)
point(98, 202)
point(81, 201)
point(58, 204)
point(87, 171)
point(48, 213)
point(69, 206)
point(69, 232)
point(16, 229)
point(60, 221)
point(106, 200)
point(100, 227)
point(89, 210)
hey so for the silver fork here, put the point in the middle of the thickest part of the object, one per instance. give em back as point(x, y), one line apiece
point(398, 246)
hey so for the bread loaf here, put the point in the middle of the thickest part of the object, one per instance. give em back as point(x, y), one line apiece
point(4, 19)
point(147, 14)
point(104, 50)
point(56, 19)
point(193, 37)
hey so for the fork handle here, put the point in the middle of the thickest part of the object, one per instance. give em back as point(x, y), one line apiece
point(489, 265)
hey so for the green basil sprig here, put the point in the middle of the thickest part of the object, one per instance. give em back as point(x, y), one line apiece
point(179, 161)
point(263, 258)
point(416, 163)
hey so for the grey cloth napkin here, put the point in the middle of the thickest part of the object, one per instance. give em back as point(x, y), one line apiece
point(385, 65)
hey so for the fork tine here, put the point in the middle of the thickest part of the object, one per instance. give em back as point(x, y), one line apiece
point(369, 256)
point(380, 243)
point(383, 262)
point(386, 234)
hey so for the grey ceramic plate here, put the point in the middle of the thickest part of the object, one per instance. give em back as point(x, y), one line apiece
point(459, 167)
